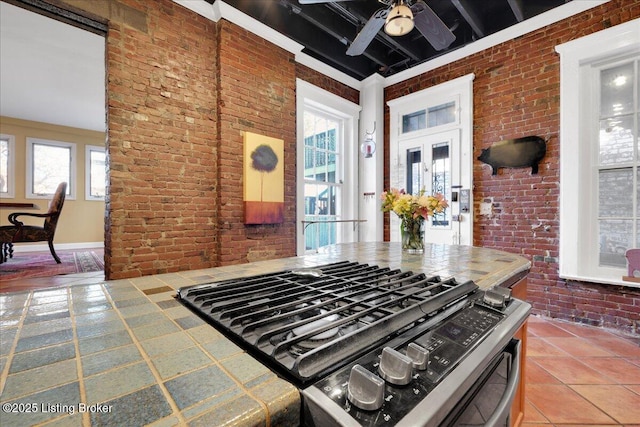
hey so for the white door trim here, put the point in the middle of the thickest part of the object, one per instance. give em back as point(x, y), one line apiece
point(459, 90)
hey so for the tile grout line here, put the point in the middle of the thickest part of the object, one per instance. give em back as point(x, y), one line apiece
point(587, 400)
point(595, 405)
point(14, 345)
point(25, 310)
point(174, 407)
point(539, 411)
point(86, 418)
point(570, 387)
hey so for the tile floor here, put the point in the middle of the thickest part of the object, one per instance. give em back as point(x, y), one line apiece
point(580, 376)
point(576, 375)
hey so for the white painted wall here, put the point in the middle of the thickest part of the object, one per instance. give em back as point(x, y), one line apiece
point(371, 169)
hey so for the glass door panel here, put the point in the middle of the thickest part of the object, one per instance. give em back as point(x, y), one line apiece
point(322, 185)
point(441, 180)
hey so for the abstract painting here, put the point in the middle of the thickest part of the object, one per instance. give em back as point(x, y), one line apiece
point(263, 179)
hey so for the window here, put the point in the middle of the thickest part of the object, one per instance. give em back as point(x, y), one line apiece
point(7, 174)
point(327, 168)
point(322, 177)
point(438, 115)
point(439, 173)
point(442, 114)
point(95, 173)
point(441, 179)
point(599, 154)
point(414, 121)
point(617, 167)
point(48, 164)
point(414, 171)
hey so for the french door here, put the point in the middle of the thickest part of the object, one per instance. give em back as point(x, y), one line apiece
point(432, 163)
point(431, 147)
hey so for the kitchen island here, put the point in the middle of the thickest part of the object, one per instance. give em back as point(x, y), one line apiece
point(126, 352)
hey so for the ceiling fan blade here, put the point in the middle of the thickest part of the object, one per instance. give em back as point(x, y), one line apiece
point(431, 26)
point(368, 32)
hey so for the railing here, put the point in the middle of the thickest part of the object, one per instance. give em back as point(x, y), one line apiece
point(325, 231)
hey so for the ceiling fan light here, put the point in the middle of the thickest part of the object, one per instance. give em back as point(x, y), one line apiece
point(399, 21)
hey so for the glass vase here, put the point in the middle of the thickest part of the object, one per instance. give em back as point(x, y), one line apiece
point(412, 235)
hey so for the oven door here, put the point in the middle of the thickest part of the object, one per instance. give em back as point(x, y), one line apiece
point(488, 402)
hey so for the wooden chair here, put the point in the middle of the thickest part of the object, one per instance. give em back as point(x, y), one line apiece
point(18, 232)
point(6, 247)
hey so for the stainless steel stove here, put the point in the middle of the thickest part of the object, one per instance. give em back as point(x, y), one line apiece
point(371, 345)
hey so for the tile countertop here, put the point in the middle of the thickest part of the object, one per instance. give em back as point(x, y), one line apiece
point(126, 352)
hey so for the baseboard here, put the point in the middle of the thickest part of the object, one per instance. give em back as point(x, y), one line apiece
point(22, 248)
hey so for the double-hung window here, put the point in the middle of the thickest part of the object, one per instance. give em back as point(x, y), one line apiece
point(327, 167)
point(7, 171)
point(322, 177)
point(48, 164)
point(95, 172)
point(600, 154)
point(616, 165)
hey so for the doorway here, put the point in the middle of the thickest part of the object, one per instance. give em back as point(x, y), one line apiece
point(431, 147)
point(58, 58)
point(433, 164)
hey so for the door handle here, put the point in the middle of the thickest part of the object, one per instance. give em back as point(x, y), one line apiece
point(512, 386)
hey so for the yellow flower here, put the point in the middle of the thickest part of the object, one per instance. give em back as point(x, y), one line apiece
point(412, 206)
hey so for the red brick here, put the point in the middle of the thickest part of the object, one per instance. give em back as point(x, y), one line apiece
point(516, 93)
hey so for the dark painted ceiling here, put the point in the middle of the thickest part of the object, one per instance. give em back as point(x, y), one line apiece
point(327, 29)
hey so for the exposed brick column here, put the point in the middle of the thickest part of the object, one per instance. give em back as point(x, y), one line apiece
point(161, 95)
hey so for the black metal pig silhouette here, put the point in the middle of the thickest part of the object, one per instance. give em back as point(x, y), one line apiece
point(515, 153)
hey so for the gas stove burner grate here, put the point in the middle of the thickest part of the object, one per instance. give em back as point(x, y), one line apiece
point(308, 323)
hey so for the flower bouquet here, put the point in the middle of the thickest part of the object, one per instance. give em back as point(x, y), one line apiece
point(412, 211)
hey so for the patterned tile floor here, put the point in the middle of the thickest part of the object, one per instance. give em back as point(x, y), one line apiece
point(576, 375)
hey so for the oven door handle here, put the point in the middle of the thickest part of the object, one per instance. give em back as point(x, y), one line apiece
point(512, 387)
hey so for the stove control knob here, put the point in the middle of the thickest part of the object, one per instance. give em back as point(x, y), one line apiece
point(365, 389)
point(494, 299)
point(419, 356)
point(395, 367)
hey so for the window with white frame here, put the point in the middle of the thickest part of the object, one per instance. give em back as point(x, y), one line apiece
point(48, 164)
point(599, 154)
point(327, 159)
point(431, 117)
point(323, 179)
point(95, 172)
point(617, 160)
point(7, 171)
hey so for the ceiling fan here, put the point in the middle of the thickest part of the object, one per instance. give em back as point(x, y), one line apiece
point(398, 18)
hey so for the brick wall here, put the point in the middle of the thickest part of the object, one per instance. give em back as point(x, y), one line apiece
point(161, 95)
point(516, 93)
point(256, 94)
point(327, 83)
point(257, 84)
point(180, 91)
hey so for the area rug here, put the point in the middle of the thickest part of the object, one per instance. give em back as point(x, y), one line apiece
point(40, 264)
